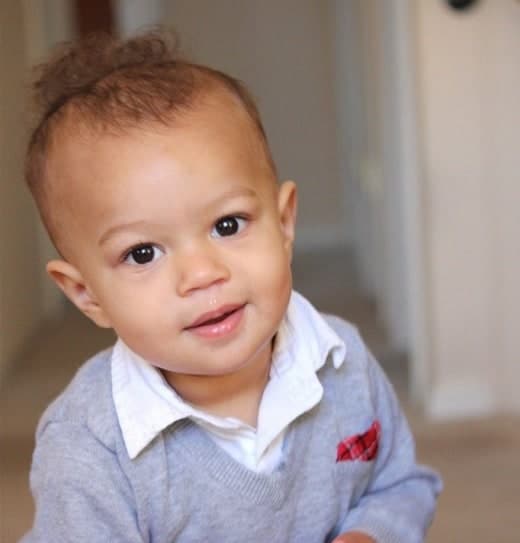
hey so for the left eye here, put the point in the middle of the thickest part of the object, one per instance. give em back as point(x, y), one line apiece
point(228, 226)
point(143, 254)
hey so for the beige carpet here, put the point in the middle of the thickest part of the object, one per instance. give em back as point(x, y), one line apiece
point(479, 460)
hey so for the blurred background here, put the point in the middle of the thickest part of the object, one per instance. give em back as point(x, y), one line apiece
point(399, 120)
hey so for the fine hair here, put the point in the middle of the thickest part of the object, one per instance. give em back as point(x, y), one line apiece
point(105, 83)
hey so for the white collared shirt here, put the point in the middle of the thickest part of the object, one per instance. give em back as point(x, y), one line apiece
point(146, 404)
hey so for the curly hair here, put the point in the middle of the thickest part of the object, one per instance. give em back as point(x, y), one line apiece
point(112, 85)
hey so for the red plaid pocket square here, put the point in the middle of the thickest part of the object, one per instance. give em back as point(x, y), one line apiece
point(360, 446)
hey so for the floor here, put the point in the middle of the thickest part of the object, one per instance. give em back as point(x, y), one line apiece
point(479, 460)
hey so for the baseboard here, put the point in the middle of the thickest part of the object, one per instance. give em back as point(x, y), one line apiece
point(461, 399)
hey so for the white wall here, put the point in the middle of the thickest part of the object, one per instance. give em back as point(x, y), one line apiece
point(373, 97)
point(504, 184)
point(358, 55)
point(434, 128)
point(469, 76)
point(46, 24)
point(283, 51)
point(350, 116)
point(132, 15)
point(20, 300)
point(27, 296)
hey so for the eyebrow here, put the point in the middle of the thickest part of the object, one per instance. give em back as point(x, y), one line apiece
point(244, 192)
point(118, 228)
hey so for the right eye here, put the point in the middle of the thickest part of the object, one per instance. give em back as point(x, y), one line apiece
point(143, 254)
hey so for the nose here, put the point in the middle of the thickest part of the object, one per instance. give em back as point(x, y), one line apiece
point(199, 268)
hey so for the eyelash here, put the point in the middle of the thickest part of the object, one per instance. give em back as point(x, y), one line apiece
point(128, 254)
point(241, 219)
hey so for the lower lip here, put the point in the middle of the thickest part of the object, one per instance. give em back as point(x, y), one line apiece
point(220, 329)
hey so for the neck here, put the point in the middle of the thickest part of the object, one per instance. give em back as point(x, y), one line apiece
point(236, 395)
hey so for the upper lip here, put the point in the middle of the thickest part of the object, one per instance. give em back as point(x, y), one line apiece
point(217, 313)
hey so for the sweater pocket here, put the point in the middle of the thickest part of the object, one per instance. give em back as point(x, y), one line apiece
point(355, 459)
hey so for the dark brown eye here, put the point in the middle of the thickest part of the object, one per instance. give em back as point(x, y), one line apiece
point(143, 254)
point(228, 226)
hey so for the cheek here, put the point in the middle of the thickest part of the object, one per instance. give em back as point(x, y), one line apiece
point(129, 308)
point(270, 274)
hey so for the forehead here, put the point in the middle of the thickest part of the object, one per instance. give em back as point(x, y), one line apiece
point(99, 172)
point(216, 120)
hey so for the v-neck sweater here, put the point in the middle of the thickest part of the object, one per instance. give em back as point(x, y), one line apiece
point(184, 488)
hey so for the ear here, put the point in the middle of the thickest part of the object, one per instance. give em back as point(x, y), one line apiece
point(287, 206)
point(71, 282)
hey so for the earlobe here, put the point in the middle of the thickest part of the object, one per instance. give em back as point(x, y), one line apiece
point(287, 207)
point(71, 282)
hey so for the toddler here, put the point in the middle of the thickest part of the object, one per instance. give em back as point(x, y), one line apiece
point(229, 409)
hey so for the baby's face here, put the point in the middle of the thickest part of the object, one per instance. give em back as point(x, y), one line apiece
point(179, 239)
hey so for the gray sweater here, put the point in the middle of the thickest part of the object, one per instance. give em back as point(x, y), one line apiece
point(184, 488)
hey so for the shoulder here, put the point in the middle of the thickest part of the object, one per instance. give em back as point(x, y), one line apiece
point(356, 350)
point(360, 371)
point(79, 474)
point(85, 406)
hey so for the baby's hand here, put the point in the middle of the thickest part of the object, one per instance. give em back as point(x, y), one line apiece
point(353, 537)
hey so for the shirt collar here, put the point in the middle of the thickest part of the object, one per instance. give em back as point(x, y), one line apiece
point(146, 404)
point(305, 335)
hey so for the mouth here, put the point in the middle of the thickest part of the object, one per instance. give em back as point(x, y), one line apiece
point(219, 322)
